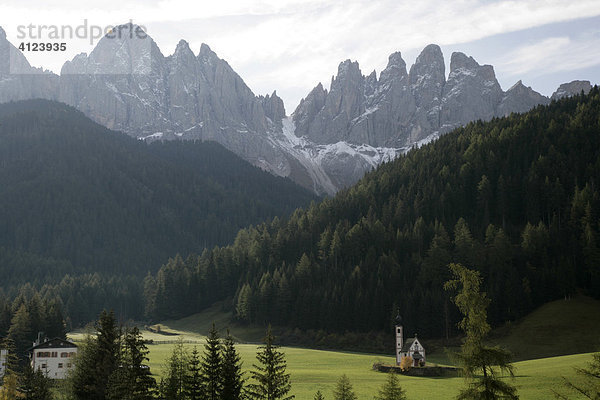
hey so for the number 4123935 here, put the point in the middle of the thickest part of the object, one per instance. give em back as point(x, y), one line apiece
point(43, 46)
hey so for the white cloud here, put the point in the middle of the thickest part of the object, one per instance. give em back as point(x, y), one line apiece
point(551, 55)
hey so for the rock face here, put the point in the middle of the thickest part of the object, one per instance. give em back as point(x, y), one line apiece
point(571, 89)
point(427, 78)
point(333, 137)
point(401, 109)
point(18, 79)
point(127, 84)
point(519, 98)
point(471, 93)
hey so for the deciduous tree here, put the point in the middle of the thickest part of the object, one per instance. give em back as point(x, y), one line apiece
point(481, 365)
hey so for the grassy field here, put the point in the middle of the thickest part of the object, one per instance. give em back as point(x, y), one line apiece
point(314, 370)
point(560, 327)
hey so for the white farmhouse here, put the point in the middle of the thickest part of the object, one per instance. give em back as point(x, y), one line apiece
point(3, 356)
point(53, 357)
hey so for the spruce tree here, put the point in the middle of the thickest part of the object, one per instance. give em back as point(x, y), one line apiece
point(11, 362)
point(211, 365)
point(232, 375)
point(34, 385)
point(343, 389)
point(480, 364)
point(21, 332)
point(82, 380)
point(194, 384)
point(173, 386)
point(391, 389)
point(107, 351)
point(132, 379)
point(272, 382)
point(319, 396)
point(96, 360)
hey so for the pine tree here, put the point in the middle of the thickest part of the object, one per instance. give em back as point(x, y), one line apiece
point(391, 389)
point(318, 396)
point(480, 364)
point(11, 362)
point(174, 384)
point(194, 385)
point(272, 383)
point(107, 351)
point(211, 365)
point(21, 332)
point(82, 380)
point(34, 385)
point(96, 360)
point(132, 379)
point(343, 389)
point(232, 375)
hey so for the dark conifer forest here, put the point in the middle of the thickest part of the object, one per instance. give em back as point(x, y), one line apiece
point(87, 212)
point(515, 198)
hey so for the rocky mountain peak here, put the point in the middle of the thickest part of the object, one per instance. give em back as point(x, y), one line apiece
point(517, 86)
point(428, 66)
point(571, 89)
point(206, 54)
point(273, 107)
point(347, 71)
point(308, 108)
point(127, 49)
point(460, 61)
point(183, 53)
point(371, 84)
point(18, 79)
point(471, 92)
point(76, 66)
point(182, 47)
point(519, 98)
point(396, 68)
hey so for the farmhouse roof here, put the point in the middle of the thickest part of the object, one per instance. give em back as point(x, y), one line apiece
point(55, 343)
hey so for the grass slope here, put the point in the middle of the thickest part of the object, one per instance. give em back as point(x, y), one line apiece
point(560, 327)
point(314, 370)
point(565, 326)
point(557, 328)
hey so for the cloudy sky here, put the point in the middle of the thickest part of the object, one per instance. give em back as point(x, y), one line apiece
point(291, 45)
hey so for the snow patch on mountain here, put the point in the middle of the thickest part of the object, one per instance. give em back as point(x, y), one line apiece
point(316, 158)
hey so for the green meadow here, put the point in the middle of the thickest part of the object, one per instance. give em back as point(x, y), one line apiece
point(541, 343)
point(314, 370)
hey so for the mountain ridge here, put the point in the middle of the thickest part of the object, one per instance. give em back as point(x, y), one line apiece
point(129, 85)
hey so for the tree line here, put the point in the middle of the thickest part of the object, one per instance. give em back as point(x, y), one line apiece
point(112, 365)
point(516, 198)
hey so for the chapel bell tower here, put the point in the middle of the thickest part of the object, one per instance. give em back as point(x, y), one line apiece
point(399, 338)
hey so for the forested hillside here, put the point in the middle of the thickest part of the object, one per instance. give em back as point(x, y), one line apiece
point(73, 190)
point(88, 212)
point(516, 198)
